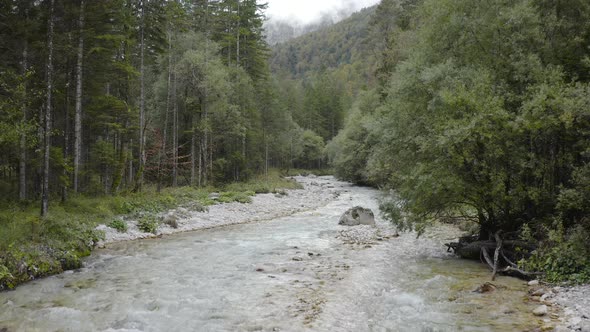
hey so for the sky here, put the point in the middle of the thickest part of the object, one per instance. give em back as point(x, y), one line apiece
point(308, 11)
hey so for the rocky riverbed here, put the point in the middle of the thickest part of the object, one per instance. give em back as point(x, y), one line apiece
point(575, 302)
point(571, 304)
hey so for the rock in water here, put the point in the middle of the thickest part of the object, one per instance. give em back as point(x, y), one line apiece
point(357, 216)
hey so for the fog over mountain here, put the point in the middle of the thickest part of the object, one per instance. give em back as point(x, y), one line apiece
point(289, 19)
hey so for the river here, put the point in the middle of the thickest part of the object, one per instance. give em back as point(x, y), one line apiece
point(287, 274)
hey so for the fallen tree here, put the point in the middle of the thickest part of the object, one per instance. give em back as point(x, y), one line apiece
point(505, 253)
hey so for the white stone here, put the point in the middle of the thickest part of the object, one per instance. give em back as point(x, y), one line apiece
point(540, 310)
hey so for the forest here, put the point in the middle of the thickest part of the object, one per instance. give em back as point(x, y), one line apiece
point(481, 115)
point(470, 114)
point(106, 102)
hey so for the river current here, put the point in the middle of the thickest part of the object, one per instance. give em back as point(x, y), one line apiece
point(287, 274)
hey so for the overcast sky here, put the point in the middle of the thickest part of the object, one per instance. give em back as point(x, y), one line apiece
point(306, 11)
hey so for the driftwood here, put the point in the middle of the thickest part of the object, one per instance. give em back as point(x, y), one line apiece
point(496, 254)
point(506, 252)
point(473, 250)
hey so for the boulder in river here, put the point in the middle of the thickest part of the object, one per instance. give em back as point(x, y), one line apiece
point(357, 216)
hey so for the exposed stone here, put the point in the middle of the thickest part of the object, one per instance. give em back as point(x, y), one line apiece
point(540, 310)
point(171, 220)
point(538, 292)
point(547, 296)
point(357, 216)
point(533, 282)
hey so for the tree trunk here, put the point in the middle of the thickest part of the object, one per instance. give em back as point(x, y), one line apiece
point(174, 134)
point(67, 129)
point(22, 183)
point(205, 142)
point(78, 116)
point(265, 157)
point(193, 150)
point(142, 122)
point(168, 97)
point(47, 131)
point(200, 163)
point(238, 37)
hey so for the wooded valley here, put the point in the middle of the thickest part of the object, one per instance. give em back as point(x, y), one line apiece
point(475, 114)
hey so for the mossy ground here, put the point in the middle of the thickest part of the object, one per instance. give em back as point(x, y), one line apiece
point(31, 247)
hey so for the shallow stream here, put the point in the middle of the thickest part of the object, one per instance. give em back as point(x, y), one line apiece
point(287, 274)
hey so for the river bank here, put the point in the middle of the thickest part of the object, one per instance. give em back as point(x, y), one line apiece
point(575, 302)
point(316, 192)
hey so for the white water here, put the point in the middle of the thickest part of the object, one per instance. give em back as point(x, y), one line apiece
point(261, 277)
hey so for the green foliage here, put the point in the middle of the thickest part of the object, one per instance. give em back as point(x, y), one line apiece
point(312, 149)
point(5, 277)
point(348, 152)
point(119, 225)
point(263, 184)
point(148, 223)
point(233, 196)
point(563, 256)
point(481, 115)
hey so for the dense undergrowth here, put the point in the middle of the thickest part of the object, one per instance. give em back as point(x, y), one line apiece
point(31, 247)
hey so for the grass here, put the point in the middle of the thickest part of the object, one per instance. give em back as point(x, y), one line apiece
point(263, 184)
point(306, 172)
point(31, 248)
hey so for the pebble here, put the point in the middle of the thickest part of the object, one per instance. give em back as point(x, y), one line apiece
point(540, 310)
point(575, 302)
point(533, 282)
point(539, 292)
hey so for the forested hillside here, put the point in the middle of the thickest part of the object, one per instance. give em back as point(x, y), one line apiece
point(321, 73)
point(482, 116)
point(331, 47)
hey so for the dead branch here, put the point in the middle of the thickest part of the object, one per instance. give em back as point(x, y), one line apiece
point(497, 254)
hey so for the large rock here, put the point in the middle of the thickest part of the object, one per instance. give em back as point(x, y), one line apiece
point(357, 216)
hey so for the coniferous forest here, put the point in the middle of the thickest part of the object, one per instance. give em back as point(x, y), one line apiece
point(476, 114)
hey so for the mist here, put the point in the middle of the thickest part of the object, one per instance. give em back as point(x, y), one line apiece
point(288, 19)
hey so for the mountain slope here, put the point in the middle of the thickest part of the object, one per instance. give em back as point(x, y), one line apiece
point(328, 48)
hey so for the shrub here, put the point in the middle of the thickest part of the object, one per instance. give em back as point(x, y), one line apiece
point(232, 196)
point(148, 224)
point(119, 225)
point(564, 256)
